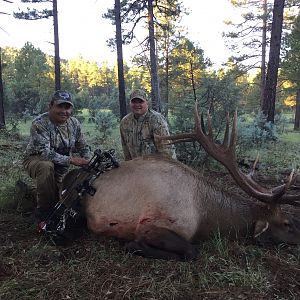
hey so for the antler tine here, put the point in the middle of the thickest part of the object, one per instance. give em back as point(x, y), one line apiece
point(209, 126)
point(202, 124)
point(197, 118)
point(179, 138)
point(233, 136)
point(290, 199)
point(280, 190)
point(254, 166)
point(173, 139)
point(226, 133)
point(290, 180)
point(225, 154)
point(199, 123)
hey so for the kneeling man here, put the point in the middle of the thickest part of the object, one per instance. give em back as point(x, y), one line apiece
point(54, 138)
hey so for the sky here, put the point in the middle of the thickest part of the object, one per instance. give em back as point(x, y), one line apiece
point(83, 31)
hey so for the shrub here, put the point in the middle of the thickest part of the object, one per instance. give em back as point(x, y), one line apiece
point(256, 132)
point(281, 122)
point(105, 122)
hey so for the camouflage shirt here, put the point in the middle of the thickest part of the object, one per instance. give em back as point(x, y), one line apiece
point(137, 135)
point(55, 142)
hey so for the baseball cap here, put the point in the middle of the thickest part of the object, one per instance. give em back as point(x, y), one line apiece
point(62, 97)
point(140, 94)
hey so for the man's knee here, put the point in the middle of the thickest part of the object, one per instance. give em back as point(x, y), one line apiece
point(45, 168)
point(37, 167)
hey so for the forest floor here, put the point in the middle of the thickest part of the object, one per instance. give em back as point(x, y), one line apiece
point(93, 267)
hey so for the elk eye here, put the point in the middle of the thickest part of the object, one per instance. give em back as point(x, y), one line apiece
point(288, 226)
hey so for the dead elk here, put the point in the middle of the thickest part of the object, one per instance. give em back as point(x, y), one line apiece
point(162, 206)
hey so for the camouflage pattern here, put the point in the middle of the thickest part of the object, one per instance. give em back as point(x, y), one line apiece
point(56, 142)
point(140, 94)
point(137, 135)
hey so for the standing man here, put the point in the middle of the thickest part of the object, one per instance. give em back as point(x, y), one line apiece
point(54, 138)
point(138, 129)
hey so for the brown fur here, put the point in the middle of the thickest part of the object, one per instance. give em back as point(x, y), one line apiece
point(153, 192)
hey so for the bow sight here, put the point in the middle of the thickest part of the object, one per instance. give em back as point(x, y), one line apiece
point(67, 217)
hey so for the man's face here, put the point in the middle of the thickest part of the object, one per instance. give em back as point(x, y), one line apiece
point(138, 106)
point(60, 113)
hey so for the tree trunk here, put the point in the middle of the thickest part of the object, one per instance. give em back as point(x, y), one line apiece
point(297, 113)
point(2, 116)
point(263, 53)
point(121, 80)
point(165, 102)
point(192, 79)
point(268, 107)
point(167, 66)
point(155, 92)
point(56, 48)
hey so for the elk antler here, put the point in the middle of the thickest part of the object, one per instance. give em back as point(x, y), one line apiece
point(225, 154)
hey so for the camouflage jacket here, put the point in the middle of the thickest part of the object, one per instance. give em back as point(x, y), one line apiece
point(56, 142)
point(137, 135)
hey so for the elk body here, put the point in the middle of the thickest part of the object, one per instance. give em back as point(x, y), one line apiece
point(161, 206)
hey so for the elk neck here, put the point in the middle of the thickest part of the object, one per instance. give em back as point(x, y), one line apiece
point(227, 212)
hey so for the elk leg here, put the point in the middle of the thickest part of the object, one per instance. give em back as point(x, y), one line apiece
point(158, 242)
point(142, 249)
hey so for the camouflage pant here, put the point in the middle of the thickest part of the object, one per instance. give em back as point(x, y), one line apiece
point(48, 179)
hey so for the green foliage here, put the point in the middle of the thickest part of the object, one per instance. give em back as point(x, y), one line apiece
point(218, 95)
point(105, 123)
point(30, 82)
point(281, 122)
point(250, 101)
point(133, 12)
point(12, 128)
point(291, 137)
point(34, 14)
point(291, 63)
point(256, 132)
point(14, 124)
point(186, 68)
point(104, 102)
point(244, 38)
point(10, 166)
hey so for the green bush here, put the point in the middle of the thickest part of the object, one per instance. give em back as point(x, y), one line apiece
point(105, 123)
point(256, 132)
point(281, 122)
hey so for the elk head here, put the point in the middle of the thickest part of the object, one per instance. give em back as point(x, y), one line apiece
point(277, 226)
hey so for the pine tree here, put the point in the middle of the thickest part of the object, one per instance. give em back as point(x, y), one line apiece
point(134, 13)
point(2, 115)
point(249, 39)
point(121, 79)
point(35, 14)
point(291, 66)
point(269, 96)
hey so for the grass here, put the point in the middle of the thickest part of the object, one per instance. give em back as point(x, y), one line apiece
point(98, 268)
point(278, 156)
point(291, 137)
point(94, 267)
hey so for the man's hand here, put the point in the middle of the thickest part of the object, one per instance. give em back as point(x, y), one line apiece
point(78, 161)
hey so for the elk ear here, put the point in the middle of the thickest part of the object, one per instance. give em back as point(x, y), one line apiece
point(260, 228)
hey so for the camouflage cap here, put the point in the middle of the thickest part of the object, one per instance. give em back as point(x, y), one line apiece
point(62, 97)
point(140, 94)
